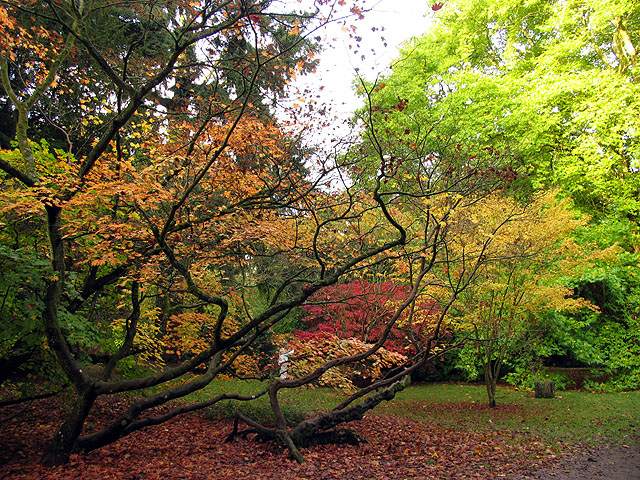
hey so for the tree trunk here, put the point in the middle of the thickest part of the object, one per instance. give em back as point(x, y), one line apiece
point(490, 381)
point(321, 429)
point(63, 442)
point(304, 432)
point(491, 393)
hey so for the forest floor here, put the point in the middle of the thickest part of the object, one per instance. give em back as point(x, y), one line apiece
point(192, 447)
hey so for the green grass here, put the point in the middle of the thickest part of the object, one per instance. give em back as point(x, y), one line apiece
point(296, 404)
point(573, 416)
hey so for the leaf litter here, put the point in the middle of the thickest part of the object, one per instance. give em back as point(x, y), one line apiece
point(192, 447)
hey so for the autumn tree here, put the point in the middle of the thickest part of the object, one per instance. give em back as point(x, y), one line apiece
point(555, 83)
point(156, 177)
point(423, 195)
point(150, 226)
point(349, 316)
point(358, 309)
point(521, 278)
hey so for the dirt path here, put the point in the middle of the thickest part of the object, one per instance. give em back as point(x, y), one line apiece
point(607, 462)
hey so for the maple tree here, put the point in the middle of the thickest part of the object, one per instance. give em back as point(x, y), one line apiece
point(308, 352)
point(554, 81)
point(180, 194)
point(131, 211)
point(175, 181)
point(520, 279)
point(359, 309)
point(347, 316)
point(428, 195)
point(556, 84)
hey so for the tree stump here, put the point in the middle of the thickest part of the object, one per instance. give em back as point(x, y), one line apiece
point(544, 390)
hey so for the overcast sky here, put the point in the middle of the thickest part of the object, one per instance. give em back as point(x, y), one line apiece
point(385, 28)
point(401, 20)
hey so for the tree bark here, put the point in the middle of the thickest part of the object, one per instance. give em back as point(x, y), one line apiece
point(63, 442)
point(304, 432)
point(491, 390)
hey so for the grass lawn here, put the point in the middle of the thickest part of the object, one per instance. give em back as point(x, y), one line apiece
point(573, 416)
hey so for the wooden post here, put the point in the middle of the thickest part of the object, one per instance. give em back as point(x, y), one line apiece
point(544, 389)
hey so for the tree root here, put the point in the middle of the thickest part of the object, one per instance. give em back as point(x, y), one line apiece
point(263, 433)
point(319, 430)
point(285, 439)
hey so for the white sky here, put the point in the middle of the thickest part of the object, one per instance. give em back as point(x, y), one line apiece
point(401, 20)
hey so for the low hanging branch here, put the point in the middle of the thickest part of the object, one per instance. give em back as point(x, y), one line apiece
point(321, 429)
point(318, 430)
